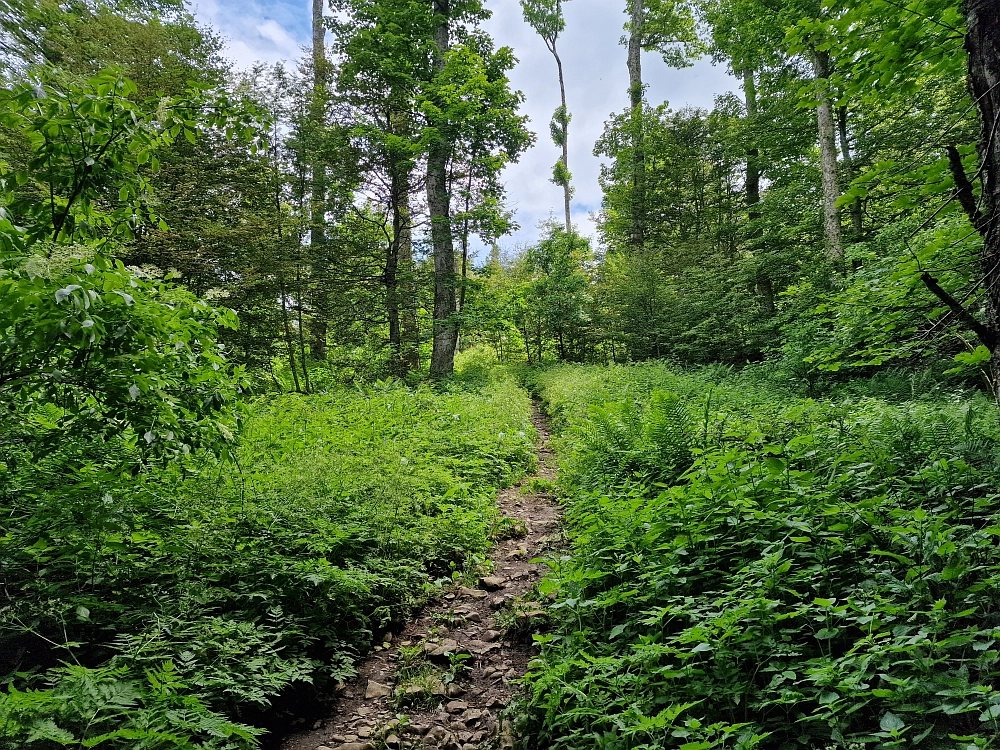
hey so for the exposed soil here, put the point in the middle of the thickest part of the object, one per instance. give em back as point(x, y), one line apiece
point(445, 681)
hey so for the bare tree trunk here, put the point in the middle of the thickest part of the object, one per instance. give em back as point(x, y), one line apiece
point(828, 156)
point(857, 215)
point(439, 202)
point(983, 45)
point(564, 135)
point(392, 302)
point(410, 333)
point(765, 286)
point(638, 229)
point(317, 208)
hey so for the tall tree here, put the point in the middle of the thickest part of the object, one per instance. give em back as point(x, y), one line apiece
point(982, 42)
point(547, 19)
point(446, 326)
point(637, 12)
point(318, 191)
point(827, 123)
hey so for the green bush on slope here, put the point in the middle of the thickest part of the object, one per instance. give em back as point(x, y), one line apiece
point(823, 575)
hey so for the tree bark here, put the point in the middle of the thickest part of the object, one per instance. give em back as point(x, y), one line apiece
point(446, 324)
point(637, 236)
point(317, 207)
point(857, 215)
point(982, 42)
point(410, 332)
point(828, 156)
point(765, 286)
point(392, 296)
point(567, 188)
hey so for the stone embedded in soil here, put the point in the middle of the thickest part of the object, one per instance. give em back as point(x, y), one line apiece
point(492, 583)
point(457, 707)
point(357, 746)
point(442, 651)
point(454, 691)
point(474, 617)
point(471, 716)
point(377, 690)
point(472, 593)
point(492, 636)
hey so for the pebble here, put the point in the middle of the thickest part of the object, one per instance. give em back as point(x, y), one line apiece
point(492, 636)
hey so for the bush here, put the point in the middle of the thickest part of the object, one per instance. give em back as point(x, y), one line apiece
point(338, 515)
point(823, 575)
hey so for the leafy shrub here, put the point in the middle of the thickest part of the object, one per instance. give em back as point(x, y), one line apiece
point(338, 515)
point(824, 575)
point(105, 708)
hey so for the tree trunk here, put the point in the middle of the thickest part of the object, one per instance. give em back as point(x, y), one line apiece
point(983, 45)
point(567, 188)
point(765, 287)
point(410, 332)
point(828, 156)
point(317, 208)
point(637, 236)
point(857, 213)
point(439, 205)
point(392, 302)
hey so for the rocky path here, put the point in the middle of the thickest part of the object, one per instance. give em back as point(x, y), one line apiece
point(445, 681)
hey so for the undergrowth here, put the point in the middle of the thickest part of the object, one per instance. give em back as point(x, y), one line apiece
point(151, 611)
point(755, 570)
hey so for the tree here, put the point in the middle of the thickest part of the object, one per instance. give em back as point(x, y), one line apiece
point(668, 27)
point(120, 354)
point(546, 18)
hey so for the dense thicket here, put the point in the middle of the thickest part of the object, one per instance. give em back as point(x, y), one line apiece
point(756, 570)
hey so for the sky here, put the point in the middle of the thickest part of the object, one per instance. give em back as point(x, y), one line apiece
point(596, 78)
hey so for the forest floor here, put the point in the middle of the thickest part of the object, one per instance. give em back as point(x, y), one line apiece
point(446, 680)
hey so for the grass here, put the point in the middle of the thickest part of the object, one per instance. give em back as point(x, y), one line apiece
point(227, 585)
point(753, 569)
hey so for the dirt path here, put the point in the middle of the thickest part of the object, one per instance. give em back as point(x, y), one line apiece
point(449, 673)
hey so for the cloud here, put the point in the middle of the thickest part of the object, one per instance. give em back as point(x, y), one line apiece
point(596, 80)
point(254, 31)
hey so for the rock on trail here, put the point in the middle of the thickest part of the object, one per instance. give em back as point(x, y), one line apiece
point(451, 672)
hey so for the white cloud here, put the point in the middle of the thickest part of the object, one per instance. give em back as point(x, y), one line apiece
point(254, 31)
point(596, 78)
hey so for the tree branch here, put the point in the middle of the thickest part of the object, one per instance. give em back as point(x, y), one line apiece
point(983, 333)
point(964, 191)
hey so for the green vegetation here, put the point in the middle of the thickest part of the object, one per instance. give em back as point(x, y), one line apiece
point(234, 449)
point(756, 569)
point(222, 584)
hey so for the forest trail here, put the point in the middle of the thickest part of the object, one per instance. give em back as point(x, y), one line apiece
point(487, 630)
